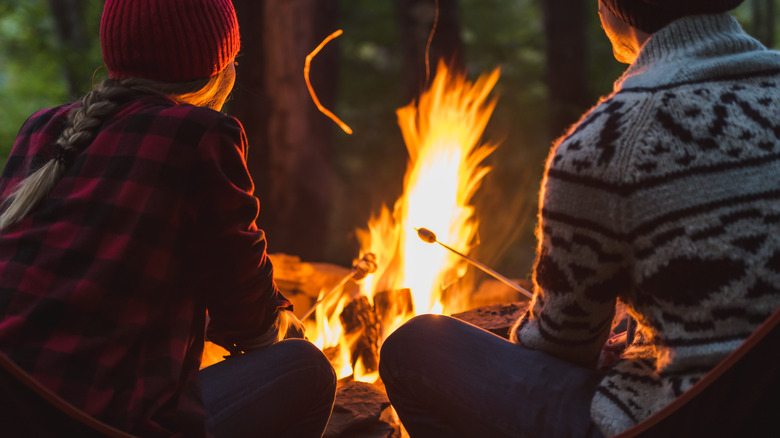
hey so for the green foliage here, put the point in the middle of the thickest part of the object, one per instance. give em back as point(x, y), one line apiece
point(32, 61)
point(368, 164)
point(508, 35)
point(28, 78)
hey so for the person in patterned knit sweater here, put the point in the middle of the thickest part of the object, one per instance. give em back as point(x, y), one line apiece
point(128, 222)
point(664, 200)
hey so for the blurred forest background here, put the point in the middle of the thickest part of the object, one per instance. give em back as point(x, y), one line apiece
point(316, 183)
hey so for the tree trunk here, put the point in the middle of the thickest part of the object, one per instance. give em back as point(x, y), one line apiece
point(567, 74)
point(416, 20)
point(290, 139)
point(69, 23)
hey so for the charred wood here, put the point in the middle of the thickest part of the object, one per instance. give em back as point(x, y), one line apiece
point(361, 323)
point(390, 303)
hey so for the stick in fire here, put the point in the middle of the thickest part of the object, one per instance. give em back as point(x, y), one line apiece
point(363, 267)
point(430, 237)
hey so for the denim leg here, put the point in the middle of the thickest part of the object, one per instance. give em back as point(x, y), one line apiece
point(285, 390)
point(447, 378)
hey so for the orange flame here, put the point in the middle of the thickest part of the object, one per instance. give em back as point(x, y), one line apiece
point(442, 132)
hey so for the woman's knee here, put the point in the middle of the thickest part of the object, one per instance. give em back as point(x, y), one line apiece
point(308, 357)
point(270, 389)
point(413, 340)
point(419, 330)
point(295, 361)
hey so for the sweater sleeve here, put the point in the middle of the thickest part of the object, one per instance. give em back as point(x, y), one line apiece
point(582, 261)
point(243, 298)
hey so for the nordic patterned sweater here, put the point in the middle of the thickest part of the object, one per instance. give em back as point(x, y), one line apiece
point(666, 197)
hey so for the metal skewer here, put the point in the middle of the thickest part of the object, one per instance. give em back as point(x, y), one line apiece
point(363, 267)
point(430, 237)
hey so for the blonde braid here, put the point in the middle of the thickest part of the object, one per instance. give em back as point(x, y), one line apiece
point(82, 126)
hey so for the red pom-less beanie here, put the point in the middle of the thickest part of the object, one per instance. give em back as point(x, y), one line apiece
point(168, 40)
point(652, 15)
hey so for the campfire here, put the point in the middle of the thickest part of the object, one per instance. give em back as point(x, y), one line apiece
point(442, 132)
point(399, 272)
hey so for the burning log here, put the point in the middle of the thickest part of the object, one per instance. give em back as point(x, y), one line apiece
point(360, 323)
point(364, 324)
point(390, 303)
point(363, 267)
point(301, 282)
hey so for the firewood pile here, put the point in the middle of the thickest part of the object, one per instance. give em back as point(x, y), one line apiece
point(362, 410)
point(301, 282)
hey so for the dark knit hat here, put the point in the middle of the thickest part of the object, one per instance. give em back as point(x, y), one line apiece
point(168, 40)
point(651, 15)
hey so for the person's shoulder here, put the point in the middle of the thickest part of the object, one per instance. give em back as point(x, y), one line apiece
point(599, 140)
point(204, 118)
point(164, 117)
point(39, 120)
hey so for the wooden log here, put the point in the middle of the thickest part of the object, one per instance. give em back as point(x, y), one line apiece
point(302, 282)
point(497, 318)
point(491, 291)
point(391, 303)
point(360, 323)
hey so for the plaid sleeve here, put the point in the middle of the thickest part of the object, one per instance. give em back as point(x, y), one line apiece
point(243, 298)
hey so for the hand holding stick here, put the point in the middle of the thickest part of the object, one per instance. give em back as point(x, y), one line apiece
point(430, 237)
point(363, 267)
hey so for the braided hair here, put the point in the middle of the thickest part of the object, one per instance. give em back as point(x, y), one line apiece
point(84, 121)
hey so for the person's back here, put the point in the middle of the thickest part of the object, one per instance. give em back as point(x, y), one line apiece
point(666, 195)
point(127, 217)
point(120, 247)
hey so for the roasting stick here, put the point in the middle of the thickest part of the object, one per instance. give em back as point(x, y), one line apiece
point(363, 267)
point(430, 237)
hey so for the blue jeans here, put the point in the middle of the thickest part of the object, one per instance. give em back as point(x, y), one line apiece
point(447, 378)
point(285, 390)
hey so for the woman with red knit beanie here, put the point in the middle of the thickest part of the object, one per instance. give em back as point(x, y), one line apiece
point(127, 236)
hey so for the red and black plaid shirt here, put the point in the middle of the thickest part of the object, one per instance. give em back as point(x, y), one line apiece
point(104, 287)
